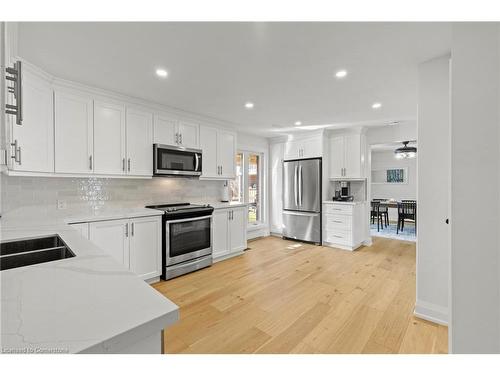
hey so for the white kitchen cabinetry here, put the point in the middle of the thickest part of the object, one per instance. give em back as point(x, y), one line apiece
point(343, 224)
point(304, 148)
point(32, 143)
point(219, 153)
point(139, 125)
point(82, 228)
point(113, 238)
point(145, 246)
point(276, 199)
point(346, 156)
point(135, 243)
point(229, 232)
point(74, 132)
point(109, 138)
point(170, 131)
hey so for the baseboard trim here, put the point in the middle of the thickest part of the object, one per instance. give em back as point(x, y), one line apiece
point(431, 312)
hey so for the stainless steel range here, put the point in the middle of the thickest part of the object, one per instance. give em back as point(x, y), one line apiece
point(187, 238)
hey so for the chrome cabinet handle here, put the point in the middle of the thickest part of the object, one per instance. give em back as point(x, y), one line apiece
point(123, 164)
point(132, 228)
point(90, 162)
point(16, 152)
point(177, 138)
point(180, 137)
point(126, 229)
point(19, 151)
point(14, 74)
point(128, 164)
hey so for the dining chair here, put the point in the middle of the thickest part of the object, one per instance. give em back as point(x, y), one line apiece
point(380, 213)
point(407, 210)
point(384, 210)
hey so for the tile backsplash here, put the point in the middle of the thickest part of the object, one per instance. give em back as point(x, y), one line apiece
point(19, 192)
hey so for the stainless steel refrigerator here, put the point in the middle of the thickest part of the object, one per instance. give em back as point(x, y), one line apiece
point(302, 200)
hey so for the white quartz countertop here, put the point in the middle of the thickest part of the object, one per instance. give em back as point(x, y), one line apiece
point(353, 203)
point(221, 205)
point(88, 303)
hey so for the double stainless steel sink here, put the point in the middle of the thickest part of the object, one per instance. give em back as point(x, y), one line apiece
point(26, 252)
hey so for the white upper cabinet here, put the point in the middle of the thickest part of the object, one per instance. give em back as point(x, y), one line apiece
point(346, 156)
point(139, 126)
point(276, 199)
point(32, 148)
point(165, 129)
point(304, 148)
point(219, 153)
point(188, 134)
point(109, 138)
point(208, 145)
point(337, 157)
point(170, 131)
point(74, 127)
point(226, 153)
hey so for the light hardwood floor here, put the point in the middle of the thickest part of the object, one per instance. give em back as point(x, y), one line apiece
point(289, 297)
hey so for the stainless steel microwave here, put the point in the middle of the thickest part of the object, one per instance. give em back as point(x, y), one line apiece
point(176, 161)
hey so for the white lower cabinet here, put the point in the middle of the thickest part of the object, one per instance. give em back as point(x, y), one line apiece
point(343, 225)
point(135, 243)
point(229, 231)
point(82, 228)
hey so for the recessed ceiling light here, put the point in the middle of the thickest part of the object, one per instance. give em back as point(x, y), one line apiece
point(249, 105)
point(298, 123)
point(376, 105)
point(341, 74)
point(161, 73)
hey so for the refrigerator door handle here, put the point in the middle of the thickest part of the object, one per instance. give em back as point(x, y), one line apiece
point(295, 183)
point(300, 185)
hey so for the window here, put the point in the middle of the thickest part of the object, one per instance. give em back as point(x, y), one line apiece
point(247, 186)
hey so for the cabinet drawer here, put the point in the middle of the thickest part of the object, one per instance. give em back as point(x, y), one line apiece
point(336, 209)
point(341, 237)
point(336, 221)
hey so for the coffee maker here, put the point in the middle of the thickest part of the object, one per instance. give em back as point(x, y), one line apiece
point(343, 192)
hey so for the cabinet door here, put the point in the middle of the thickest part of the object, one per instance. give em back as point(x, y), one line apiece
point(74, 132)
point(238, 229)
point(352, 163)
point(276, 201)
point(208, 144)
point(226, 154)
point(336, 157)
point(139, 142)
point(35, 137)
point(82, 228)
point(220, 239)
point(165, 129)
point(292, 150)
point(109, 138)
point(189, 134)
point(145, 246)
point(312, 148)
point(112, 237)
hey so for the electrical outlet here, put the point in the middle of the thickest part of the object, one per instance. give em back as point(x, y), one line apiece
point(61, 205)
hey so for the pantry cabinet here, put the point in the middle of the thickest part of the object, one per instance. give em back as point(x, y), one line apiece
point(304, 148)
point(170, 131)
point(346, 156)
point(74, 131)
point(276, 199)
point(229, 231)
point(32, 143)
point(135, 243)
point(219, 153)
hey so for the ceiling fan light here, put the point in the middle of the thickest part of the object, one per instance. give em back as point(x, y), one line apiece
point(405, 152)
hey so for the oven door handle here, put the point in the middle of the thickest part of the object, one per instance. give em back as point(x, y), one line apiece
point(190, 219)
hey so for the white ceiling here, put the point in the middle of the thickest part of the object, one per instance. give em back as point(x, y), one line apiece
point(286, 69)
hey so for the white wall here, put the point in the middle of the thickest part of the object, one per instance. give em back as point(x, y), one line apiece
point(382, 160)
point(475, 162)
point(433, 190)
